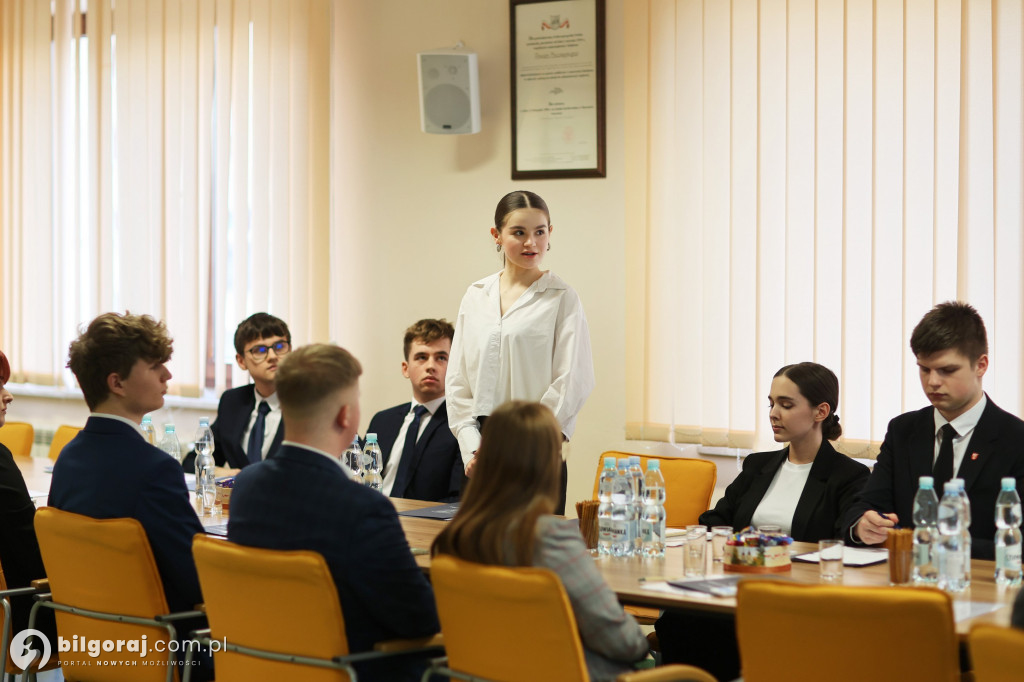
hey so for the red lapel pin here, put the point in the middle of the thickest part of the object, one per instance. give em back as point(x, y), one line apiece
point(974, 456)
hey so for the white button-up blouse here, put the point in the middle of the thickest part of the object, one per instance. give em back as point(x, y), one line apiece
point(538, 350)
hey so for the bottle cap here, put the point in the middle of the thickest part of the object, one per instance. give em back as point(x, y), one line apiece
point(634, 459)
point(371, 438)
point(653, 464)
point(204, 421)
point(623, 461)
point(926, 483)
point(147, 419)
point(1009, 483)
point(950, 487)
point(609, 462)
point(168, 428)
point(959, 483)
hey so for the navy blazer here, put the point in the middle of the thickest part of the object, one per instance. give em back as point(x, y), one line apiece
point(437, 469)
point(832, 484)
point(20, 561)
point(996, 449)
point(300, 499)
point(233, 414)
point(109, 471)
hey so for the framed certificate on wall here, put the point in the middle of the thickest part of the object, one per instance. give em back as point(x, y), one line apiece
point(558, 98)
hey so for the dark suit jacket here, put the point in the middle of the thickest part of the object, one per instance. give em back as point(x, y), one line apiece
point(832, 483)
point(19, 551)
point(299, 499)
point(233, 413)
point(908, 452)
point(437, 469)
point(109, 471)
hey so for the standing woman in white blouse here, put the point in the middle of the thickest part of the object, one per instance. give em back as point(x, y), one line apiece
point(521, 334)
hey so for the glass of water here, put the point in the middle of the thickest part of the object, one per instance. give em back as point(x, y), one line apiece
point(830, 560)
point(694, 562)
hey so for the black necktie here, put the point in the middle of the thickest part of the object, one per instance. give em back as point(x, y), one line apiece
point(943, 469)
point(256, 435)
point(408, 453)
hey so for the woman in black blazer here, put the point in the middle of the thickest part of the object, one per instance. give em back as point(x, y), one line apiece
point(806, 487)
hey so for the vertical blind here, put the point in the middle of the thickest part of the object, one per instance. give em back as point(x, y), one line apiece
point(163, 157)
point(816, 174)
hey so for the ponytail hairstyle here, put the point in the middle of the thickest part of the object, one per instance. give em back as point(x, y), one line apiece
point(819, 385)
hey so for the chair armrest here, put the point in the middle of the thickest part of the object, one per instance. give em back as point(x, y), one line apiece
point(180, 615)
point(393, 645)
point(42, 584)
point(668, 673)
point(18, 592)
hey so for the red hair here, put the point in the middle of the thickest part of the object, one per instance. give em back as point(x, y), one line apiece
point(5, 368)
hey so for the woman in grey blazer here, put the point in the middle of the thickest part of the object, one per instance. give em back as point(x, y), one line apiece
point(505, 519)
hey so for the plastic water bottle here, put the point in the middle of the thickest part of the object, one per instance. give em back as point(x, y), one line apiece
point(605, 532)
point(354, 458)
point(169, 443)
point(147, 430)
point(951, 541)
point(206, 484)
point(636, 475)
point(652, 523)
point(623, 511)
point(1008, 538)
point(926, 518)
point(965, 509)
point(372, 463)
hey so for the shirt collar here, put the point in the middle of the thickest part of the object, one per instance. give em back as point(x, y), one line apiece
point(430, 405)
point(129, 422)
point(271, 399)
point(966, 422)
point(337, 460)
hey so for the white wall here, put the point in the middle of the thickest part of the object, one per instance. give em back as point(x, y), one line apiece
point(416, 209)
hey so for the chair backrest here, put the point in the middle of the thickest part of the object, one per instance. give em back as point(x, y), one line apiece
point(689, 485)
point(103, 565)
point(997, 653)
point(789, 631)
point(282, 601)
point(18, 436)
point(61, 437)
point(506, 623)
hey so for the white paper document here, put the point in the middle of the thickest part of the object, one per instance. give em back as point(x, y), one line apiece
point(852, 556)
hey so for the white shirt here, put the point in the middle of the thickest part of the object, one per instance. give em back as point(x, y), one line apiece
point(399, 446)
point(964, 425)
point(538, 350)
point(334, 458)
point(779, 502)
point(273, 421)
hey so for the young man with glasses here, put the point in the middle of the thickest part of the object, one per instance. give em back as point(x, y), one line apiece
point(248, 427)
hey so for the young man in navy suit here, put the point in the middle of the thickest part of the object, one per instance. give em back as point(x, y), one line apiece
point(248, 424)
point(424, 464)
point(109, 470)
point(304, 498)
point(962, 431)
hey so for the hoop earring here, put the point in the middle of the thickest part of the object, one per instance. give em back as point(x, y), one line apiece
point(497, 248)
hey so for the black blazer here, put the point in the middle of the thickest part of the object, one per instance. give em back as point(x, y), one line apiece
point(832, 484)
point(437, 469)
point(996, 449)
point(19, 551)
point(233, 413)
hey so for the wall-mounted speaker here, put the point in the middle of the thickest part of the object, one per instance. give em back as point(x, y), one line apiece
point(449, 92)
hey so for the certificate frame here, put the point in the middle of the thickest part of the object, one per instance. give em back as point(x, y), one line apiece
point(558, 88)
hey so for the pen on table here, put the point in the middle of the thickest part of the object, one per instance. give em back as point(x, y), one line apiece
point(655, 579)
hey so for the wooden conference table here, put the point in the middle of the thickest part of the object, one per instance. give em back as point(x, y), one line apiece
point(627, 577)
